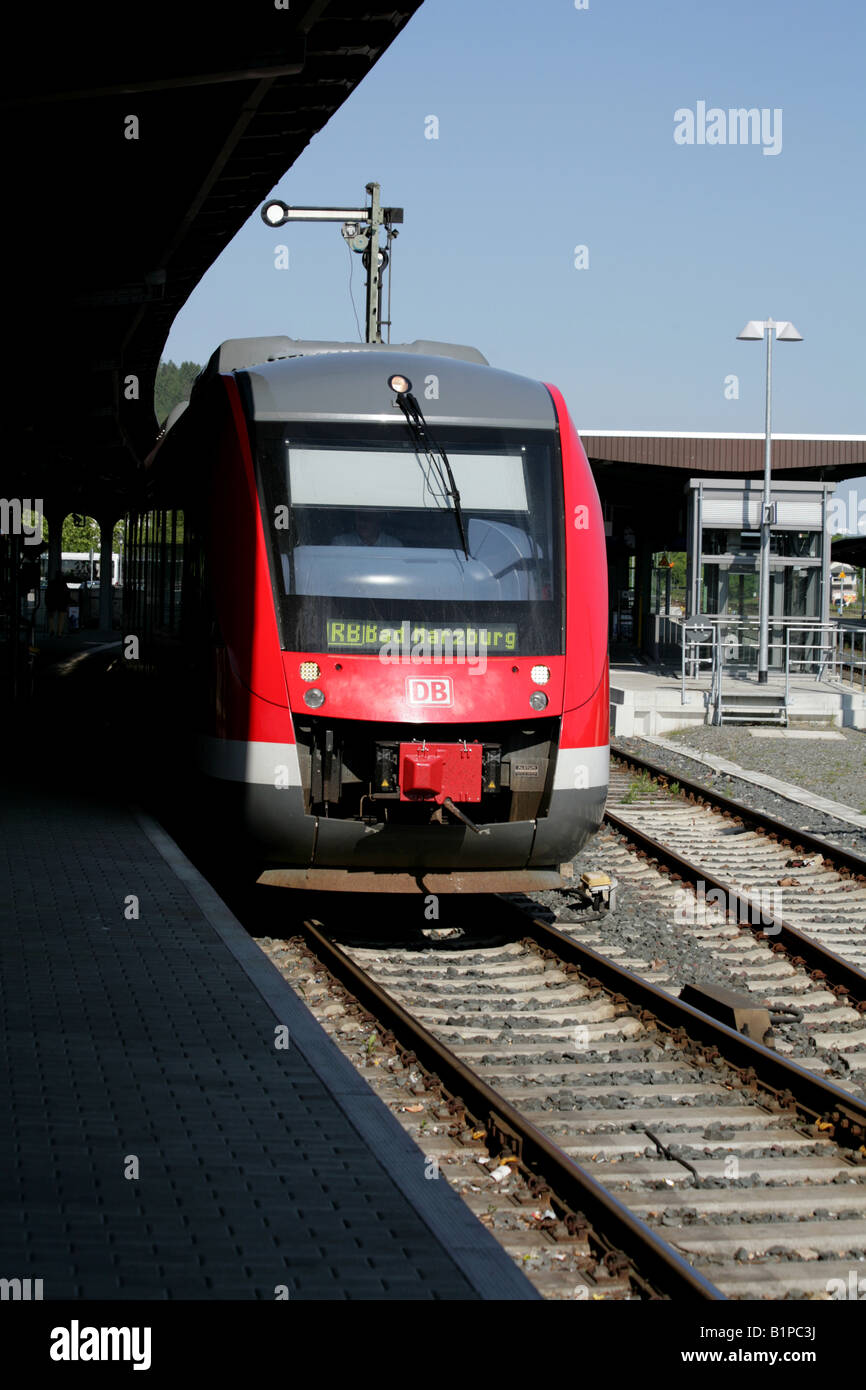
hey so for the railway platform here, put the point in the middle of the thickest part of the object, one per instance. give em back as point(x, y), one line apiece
point(177, 1125)
point(650, 699)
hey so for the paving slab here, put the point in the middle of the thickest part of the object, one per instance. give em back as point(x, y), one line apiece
point(157, 1143)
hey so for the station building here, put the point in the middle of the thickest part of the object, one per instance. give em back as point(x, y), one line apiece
point(671, 492)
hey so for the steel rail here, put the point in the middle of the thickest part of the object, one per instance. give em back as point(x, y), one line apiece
point(842, 1115)
point(750, 912)
point(846, 858)
point(658, 1263)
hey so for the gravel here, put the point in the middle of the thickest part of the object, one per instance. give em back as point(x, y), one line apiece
point(641, 927)
point(832, 769)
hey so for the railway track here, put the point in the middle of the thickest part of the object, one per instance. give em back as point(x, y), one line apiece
point(673, 935)
point(846, 861)
point(804, 898)
point(696, 1162)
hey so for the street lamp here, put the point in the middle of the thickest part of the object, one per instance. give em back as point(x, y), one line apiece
point(785, 333)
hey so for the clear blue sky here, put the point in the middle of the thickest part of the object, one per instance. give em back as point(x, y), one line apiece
point(556, 129)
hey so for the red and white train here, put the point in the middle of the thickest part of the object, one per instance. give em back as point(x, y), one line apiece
point(378, 575)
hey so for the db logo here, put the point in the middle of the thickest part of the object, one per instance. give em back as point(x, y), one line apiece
point(429, 692)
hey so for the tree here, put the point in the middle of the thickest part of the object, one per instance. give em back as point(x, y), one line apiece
point(678, 574)
point(173, 385)
point(678, 560)
point(81, 534)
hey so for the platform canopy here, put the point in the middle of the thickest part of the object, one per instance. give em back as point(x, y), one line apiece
point(807, 456)
point(643, 475)
point(139, 139)
point(850, 550)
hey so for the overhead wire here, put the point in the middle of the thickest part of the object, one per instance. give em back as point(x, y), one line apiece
point(352, 293)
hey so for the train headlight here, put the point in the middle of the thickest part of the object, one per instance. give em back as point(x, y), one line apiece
point(316, 698)
point(537, 699)
point(400, 384)
point(309, 671)
point(540, 675)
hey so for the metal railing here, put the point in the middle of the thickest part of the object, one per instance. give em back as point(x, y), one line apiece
point(847, 657)
point(818, 651)
point(717, 644)
point(698, 643)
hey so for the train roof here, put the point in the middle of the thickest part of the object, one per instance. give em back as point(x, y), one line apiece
point(347, 382)
point(236, 354)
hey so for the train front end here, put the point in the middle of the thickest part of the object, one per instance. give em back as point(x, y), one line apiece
point(438, 591)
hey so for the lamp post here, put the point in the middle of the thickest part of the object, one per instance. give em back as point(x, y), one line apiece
point(754, 330)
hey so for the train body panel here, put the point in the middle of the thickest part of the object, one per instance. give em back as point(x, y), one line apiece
point(389, 681)
point(413, 692)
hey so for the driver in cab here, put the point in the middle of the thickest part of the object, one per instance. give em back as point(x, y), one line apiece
point(367, 532)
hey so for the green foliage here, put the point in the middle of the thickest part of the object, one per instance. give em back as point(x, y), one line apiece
point(639, 787)
point(173, 385)
point(678, 573)
point(81, 534)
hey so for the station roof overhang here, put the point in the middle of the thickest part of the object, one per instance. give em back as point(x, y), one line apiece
point(850, 550)
point(643, 476)
point(138, 143)
point(667, 458)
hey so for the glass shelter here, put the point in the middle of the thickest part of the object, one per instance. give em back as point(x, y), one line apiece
point(724, 540)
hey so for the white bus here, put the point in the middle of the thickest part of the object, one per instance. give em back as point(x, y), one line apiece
point(82, 567)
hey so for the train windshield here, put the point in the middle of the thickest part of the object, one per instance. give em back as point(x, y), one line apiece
point(366, 550)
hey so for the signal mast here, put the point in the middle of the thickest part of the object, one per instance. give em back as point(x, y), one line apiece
point(360, 230)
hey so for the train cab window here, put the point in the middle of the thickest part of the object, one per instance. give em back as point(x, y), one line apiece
point(374, 532)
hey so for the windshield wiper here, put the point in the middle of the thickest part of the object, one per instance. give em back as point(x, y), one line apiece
point(427, 445)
